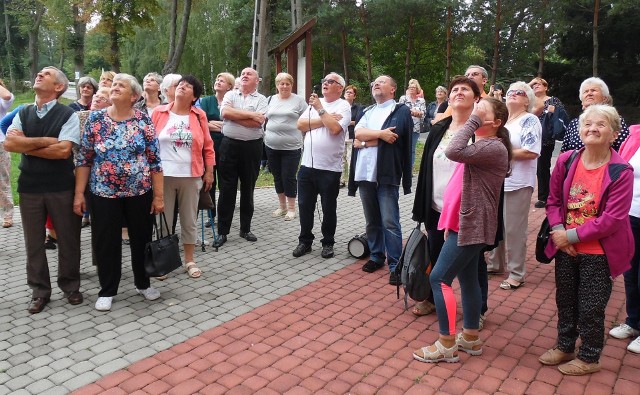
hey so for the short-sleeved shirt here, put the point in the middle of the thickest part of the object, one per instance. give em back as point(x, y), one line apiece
point(420, 105)
point(253, 102)
point(175, 141)
point(121, 154)
point(582, 205)
point(526, 133)
point(572, 140)
point(5, 105)
point(367, 163)
point(70, 131)
point(282, 126)
point(323, 150)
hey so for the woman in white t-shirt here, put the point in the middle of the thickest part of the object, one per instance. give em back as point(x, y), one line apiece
point(186, 151)
point(526, 141)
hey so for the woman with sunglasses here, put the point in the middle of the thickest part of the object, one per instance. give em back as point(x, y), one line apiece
point(526, 140)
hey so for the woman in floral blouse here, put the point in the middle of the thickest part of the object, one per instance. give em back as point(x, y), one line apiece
point(118, 157)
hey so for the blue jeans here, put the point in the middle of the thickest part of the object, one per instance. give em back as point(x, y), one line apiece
point(632, 279)
point(382, 215)
point(311, 183)
point(457, 261)
point(283, 164)
point(414, 143)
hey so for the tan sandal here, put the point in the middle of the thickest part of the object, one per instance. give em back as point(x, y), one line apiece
point(577, 367)
point(471, 347)
point(192, 270)
point(7, 223)
point(423, 308)
point(441, 354)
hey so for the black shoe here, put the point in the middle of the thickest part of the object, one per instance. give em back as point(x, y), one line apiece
point(301, 250)
point(394, 279)
point(372, 266)
point(207, 224)
point(219, 241)
point(50, 243)
point(540, 204)
point(327, 251)
point(248, 236)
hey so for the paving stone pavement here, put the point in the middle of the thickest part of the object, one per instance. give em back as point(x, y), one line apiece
point(260, 321)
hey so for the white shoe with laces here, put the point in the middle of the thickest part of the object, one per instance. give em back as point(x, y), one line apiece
point(279, 212)
point(290, 216)
point(623, 331)
point(104, 303)
point(634, 346)
point(149, 293)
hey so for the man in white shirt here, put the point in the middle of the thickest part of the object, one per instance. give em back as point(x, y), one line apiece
point(240, 151)
point(324, 126)
point(382, 158)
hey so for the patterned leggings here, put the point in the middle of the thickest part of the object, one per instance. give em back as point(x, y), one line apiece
point(6, 197)
point(583, 288)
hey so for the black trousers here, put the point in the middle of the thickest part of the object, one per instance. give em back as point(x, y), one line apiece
point(106, 227)
point(239, 161)
point(544, 171)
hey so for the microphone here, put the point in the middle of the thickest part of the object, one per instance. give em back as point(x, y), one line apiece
point(317, 88)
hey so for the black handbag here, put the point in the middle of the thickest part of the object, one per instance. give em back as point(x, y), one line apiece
point(541, 242)
point(162, 255)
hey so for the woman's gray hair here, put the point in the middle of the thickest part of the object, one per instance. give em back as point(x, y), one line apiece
point(136, 89)
point(88, 81)
point(605, 110)
point(527, 89)
point(442, 89)
point(167, 81)
point(599, 83)
point(284, 76)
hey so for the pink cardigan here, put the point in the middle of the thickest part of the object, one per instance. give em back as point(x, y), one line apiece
point(631, 144)
point(202, 153)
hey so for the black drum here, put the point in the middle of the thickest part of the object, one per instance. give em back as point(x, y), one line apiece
point(358, 246)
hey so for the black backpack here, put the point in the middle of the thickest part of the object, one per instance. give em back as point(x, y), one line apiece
point(414, 267)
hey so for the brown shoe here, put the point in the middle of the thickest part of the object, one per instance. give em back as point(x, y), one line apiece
point(37, 305)
point(75, 298)
point(555, 357)
point(577, 367)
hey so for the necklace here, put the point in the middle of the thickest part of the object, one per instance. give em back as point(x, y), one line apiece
point(515, 116)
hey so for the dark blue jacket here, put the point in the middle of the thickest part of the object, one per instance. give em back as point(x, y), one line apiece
point(394, 160)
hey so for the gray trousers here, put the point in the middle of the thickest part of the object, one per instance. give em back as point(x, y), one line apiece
point(34, 208)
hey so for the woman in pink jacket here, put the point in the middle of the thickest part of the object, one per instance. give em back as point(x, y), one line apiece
point(588, 210)
point(186, 151)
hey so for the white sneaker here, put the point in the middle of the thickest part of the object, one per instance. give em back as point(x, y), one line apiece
point(634, 346)
point(104, 303)
point(290, 216)
point(624, 331)
point(279, 212)
point(149, 293)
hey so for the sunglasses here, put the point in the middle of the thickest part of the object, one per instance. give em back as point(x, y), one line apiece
point(100, 99)
point(329, 81)
point(517, 92)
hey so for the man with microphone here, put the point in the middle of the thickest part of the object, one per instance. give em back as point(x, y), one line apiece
point(323, 125)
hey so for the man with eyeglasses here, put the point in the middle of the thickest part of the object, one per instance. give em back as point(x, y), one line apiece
point(381, 159)
point(480, 76)
point(324, 126)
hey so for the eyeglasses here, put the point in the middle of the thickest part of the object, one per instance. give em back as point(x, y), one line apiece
point(473, 74)
point(349, 93)
point(100, 99)
point(329, 81)
point(382, 82)
point(516, 92)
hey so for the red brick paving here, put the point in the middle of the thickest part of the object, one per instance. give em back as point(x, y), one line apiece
point(347, 333)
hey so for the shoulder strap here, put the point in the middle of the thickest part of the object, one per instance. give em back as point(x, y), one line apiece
point(569, 161)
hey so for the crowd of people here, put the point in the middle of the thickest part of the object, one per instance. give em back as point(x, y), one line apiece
point(124, 152)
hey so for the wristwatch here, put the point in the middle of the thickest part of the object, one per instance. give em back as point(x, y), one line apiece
point(363, 144)
point(322, 112)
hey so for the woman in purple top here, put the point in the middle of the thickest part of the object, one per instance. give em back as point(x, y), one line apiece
point(118, 157)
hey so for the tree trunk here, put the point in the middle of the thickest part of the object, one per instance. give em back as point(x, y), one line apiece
point(367, 46)
point(173, 18)
point(407, 57)
point(264, 35)
point(344, 56)
point(447, 70)
point(34, 35)
point(77, 39)
point(596, 13)
point(496, 42)
point(543, 37)
point(114, 56)
point(173, 61)
point(8, 46)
